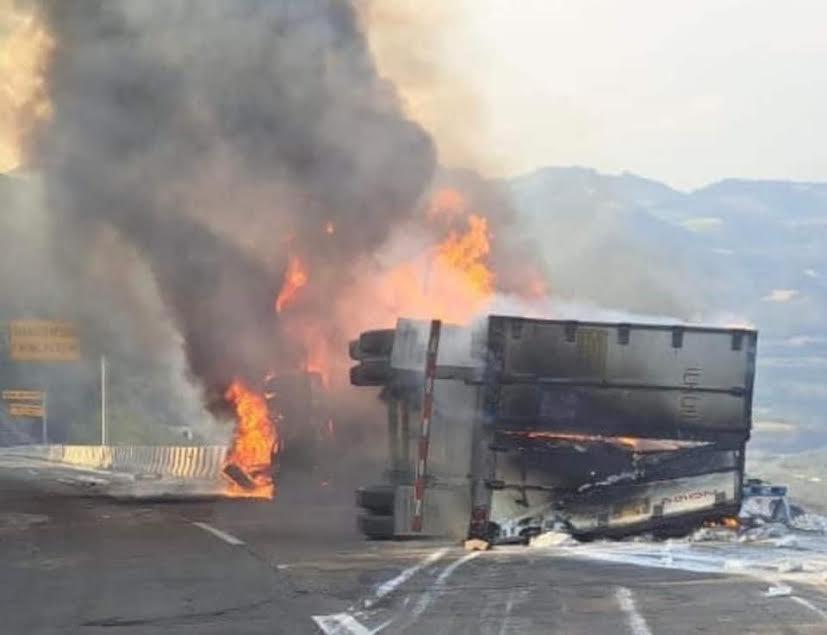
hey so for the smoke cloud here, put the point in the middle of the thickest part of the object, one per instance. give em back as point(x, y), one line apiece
point(216, 138)
point(193, 149)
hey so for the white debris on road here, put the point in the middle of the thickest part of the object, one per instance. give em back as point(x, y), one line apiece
point(552, 539)
point(779, 591)
point(770, 550)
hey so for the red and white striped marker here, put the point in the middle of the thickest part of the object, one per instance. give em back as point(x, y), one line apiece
point(425, 429)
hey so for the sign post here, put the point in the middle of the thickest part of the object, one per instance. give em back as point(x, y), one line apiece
point(39, 341)
point(103, 400)
point(28, 404)
point(45, 419)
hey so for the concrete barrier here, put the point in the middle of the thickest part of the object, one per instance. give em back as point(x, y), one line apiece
point(186, 462)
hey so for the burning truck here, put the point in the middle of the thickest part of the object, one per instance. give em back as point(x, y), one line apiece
point(515, 426)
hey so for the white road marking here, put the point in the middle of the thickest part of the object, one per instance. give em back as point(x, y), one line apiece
point(391, 585)
point(446, 573)
point(347, 624)
point(223, 535)
point(509, 606)
point(341, 624)
point(635, 620)
point(810, 605)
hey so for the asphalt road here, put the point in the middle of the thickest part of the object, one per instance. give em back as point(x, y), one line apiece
point(78, 563)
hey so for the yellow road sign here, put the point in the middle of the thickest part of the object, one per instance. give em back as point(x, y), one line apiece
point(22, 395)
point(25, 410)
point(43, 341)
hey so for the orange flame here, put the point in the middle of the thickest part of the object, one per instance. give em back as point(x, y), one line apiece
point(634, 444)
point(24, 56)
point(728, 522)
point(294, 279)
point(255, 442)
point(451, 280)
point(467, 254)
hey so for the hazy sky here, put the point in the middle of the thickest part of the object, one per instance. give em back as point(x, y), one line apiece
point(683, 91)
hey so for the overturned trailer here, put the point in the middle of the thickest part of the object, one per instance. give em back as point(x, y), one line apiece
point(513, 426)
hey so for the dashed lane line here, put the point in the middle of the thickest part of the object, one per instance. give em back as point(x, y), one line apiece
point(222, 535)
point(505, 627)
point(341, 624)
point(394, 583)
point(634, 619)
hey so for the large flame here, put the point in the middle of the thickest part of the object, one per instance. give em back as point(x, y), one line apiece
point(25, 48)
point(295, 277)
point(451, 279)
point(448, 276)
point(467, 253)
point(255, 443)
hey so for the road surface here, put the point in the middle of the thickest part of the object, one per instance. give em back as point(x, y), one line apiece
point(73, 562)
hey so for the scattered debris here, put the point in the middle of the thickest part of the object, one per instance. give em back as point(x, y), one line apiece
point(735, 565)
point(714, 534)
point(763, 532)
point(475, 544)
point(552, 539)
point(778, 591)
point(239, 477)
point(788, 542)
point(790, 566)
point(810, 523)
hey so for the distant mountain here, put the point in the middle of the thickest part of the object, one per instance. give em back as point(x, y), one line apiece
point(736, 251)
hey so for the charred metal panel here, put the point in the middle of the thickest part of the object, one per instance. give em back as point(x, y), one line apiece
point(665, 505)
point(659, 413)
point(643, 380)
point(623, 353)
point(564, 469)
point(653, 504)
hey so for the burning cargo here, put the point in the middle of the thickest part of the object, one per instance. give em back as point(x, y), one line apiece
point(526, 424)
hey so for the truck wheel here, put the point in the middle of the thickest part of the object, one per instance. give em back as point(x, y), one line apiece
point(371, 372)
point(374, 526)
point(377, 343)
point(376, 498)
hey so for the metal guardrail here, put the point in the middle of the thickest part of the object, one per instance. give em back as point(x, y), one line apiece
point(196, 462)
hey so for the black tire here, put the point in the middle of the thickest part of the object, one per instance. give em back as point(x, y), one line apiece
point(371, 372)
point(354, 351)
point(374, 526)
point(378, 343)
point(376, 498)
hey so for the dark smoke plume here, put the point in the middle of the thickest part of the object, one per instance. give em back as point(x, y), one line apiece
point(216, 136)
